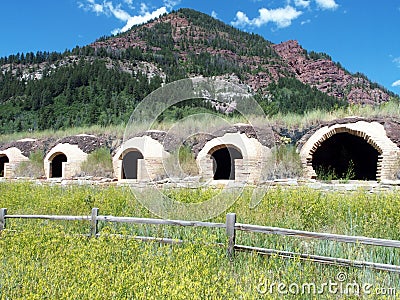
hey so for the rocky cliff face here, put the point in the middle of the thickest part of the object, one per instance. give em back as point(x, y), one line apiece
point(328, 77)
point(263, 67)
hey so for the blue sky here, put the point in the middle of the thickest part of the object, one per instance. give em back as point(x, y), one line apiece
point(361, 35)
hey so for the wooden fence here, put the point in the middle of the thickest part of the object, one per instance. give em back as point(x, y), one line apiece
point(231, 226)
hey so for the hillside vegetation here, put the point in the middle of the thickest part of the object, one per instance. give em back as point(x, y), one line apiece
point(103, 82)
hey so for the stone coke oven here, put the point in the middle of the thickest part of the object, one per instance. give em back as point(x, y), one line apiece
point(65, 157)
point(234, 153)
point(354, 148)
point(141, 157)
point(12, 154)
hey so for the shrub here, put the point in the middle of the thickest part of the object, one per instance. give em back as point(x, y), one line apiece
point(33, 168)
point(182, 163)
point(98, 164)
point(329, 173)
point(284, 163)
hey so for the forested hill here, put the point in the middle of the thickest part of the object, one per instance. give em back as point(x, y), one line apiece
point(101, 83)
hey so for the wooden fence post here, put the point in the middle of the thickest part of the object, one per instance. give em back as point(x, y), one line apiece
point(3, 212)
point(94, 222)
point(231, 233)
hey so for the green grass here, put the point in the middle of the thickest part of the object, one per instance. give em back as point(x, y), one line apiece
point(98, 164)
point(284, 163)
point(32, 168)
point(182, 163)
point(117, 130)
point(48, 259)
point(329, 174)
point(210, 123)
point(388, 109)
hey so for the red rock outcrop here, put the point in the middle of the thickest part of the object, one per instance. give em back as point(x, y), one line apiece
point(328, 77)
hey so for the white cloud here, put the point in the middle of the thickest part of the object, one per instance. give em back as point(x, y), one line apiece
point(117, 12)
point(241, 19)
point(129, 3)
point(282, 17)
point(170, 4)
point(140, 19)
point(98, 8)
point(327, 4)
point(305, 22)
point(143, 8)
point(396, 83)
point(107, 8)
point(92, 6)
point(302, 3)
point(214, 14)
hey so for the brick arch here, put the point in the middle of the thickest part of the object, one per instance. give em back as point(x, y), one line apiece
point(57, 154)
point(358, 133)
point(221, 146)
point(127, 150)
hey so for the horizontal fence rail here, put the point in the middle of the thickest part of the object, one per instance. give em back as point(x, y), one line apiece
point(321, 259)
point(318, 235)
point(159, 222)
point(231, 226)
point(50, 217)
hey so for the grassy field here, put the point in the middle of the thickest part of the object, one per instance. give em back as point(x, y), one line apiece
point(211, 123)
point(54, 260)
